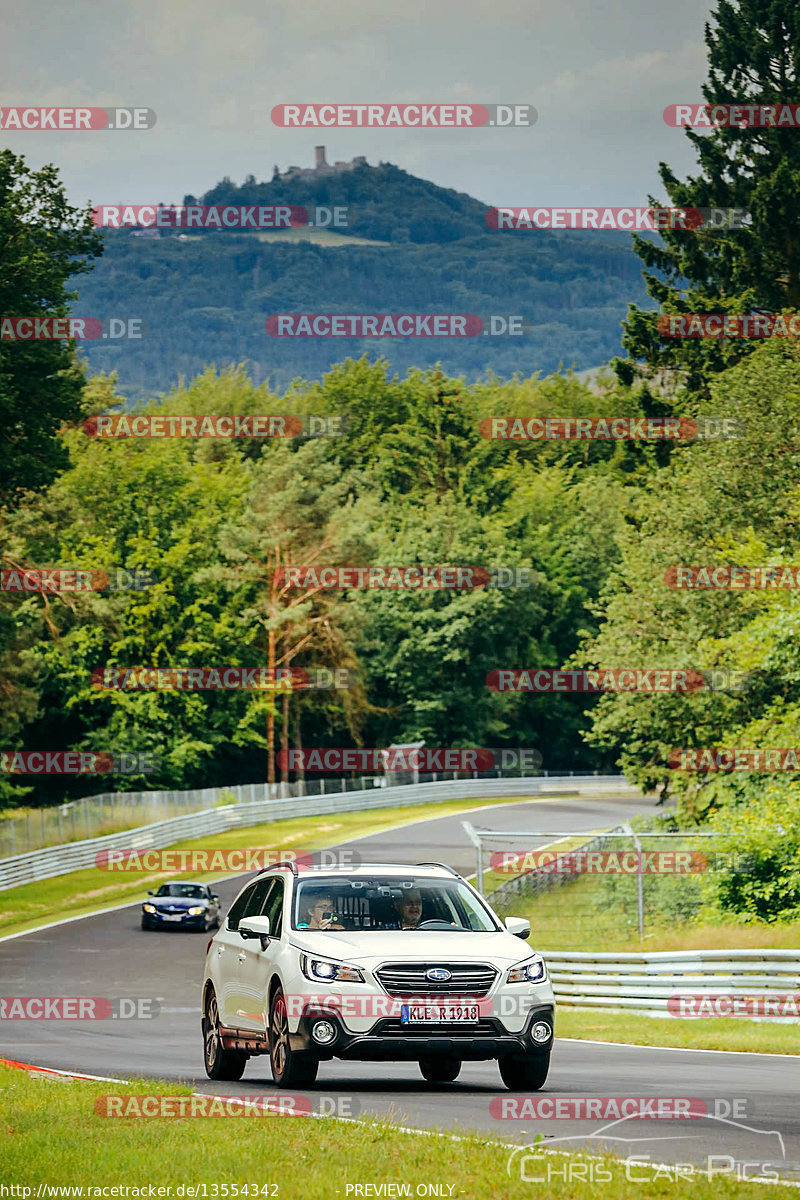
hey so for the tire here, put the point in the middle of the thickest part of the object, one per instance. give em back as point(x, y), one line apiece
point(440, 1069)
point(289, 1068)
point(146, 924)
point(219, 1062)
point(524, 1072)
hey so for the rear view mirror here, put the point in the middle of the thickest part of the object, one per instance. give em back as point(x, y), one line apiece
point(255, 927)
point(519, 926)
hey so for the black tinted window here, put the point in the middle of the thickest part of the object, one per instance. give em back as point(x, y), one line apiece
point(237, 908)
point(273, 907)
point(257, 897)
point(190, 891)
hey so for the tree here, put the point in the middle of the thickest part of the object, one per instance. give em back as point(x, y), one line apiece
point(301, 514)
point(754, 58)
point(726, 502)
point(44, 241)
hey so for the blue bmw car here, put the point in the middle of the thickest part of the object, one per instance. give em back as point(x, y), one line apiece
point(181, 906)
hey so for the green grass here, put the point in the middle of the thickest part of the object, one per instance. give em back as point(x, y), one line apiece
point(723, 1033)
point(309, 1159)
point(87, 891)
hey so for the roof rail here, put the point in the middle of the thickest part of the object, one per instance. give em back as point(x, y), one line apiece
point(290, 864)
point(444, 866)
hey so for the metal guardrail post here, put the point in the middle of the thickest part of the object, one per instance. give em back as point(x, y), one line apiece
point(639, 883)
point(474, 837)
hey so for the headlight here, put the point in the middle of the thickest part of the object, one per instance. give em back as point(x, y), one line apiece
point(149, 908)
point(196, 911)
point(323, 971)
point(532, 971)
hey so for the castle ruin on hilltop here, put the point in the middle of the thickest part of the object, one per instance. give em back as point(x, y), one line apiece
point(321, 167)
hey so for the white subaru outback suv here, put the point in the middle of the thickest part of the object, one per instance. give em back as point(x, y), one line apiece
point(377, 963)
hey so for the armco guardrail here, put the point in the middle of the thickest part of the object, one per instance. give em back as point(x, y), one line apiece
point(644, 982)
point(73, 856)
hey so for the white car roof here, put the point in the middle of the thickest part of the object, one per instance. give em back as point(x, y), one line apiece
point(433, 870)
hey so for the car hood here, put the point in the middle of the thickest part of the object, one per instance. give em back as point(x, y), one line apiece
point(176, 901)
point(371, 949)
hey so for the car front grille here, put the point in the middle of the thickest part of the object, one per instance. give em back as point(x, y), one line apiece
point(393, 1027)
point(409, 979)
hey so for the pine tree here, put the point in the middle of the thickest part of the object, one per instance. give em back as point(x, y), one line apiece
point(754, 58)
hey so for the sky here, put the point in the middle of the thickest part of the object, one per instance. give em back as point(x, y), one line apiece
point(599, 76)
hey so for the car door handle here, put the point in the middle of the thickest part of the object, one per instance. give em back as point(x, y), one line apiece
point(242, 956)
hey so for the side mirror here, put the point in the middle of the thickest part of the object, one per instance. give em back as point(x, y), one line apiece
point(255, 927)
point(519, 926)
point(151, 892)
point(214, 896)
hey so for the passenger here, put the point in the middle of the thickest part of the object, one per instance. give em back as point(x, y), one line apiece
point(321, 914)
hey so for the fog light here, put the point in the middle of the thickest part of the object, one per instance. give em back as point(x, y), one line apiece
point(323, 1032)
point(541, 1032)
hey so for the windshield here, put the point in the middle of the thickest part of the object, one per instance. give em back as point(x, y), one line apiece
point(389, 902)
point(192, 891)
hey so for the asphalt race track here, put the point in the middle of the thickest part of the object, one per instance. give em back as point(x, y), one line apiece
point(108, 955)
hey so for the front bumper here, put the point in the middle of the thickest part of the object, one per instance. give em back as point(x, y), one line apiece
point(186, 922)
point(390, 1040)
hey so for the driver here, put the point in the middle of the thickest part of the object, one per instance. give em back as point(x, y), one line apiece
point(409, 908)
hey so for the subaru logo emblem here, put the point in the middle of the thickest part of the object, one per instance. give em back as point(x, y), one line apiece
point(438, 974)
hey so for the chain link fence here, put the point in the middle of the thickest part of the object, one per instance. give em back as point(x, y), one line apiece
point(579, 888)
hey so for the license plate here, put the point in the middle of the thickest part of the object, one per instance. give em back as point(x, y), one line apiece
point(172, 917)
point(439, 1014)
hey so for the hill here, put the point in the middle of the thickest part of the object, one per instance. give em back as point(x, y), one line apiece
point(205, 299)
